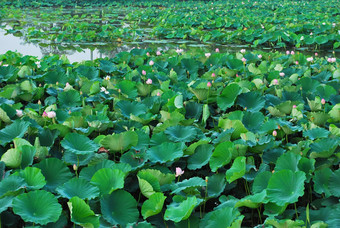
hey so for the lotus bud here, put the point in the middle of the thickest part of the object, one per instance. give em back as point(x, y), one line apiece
point(39, 102)
point(151, 63)
point(275, 82)
point(19, 113)
point(158, 94)
point(213, 75)
point(75, 168)
point(179, 171)
point(282, 74)
point(294, 106)
point(207, 55)
point(206, 179)
point(243, 51)
point(148, 54)
point(259, 56)
point(323, 101)
point(158, 53)
point(143, 72)
point(297, 62)
point(244, 60)
point(292, 53)
point(316, 54)
point(217, 50)
point(274, 133)
point(57, 83)
point(287, 52)
point(209, 84)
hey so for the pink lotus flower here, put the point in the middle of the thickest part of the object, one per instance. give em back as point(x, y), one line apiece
point(44, 114)
point(217, 50)
point(151, 63)
point(158, 53)
point(275, 82)
point(323, 101)
point(294, 106)
point(287, 52)
point(282, 74)
point(244, 60)
point(259, 56)
point(149, 81)
point(179, 171)
point(316, 54)
point(209, 84)
point(329, 60)
point(51, 114)
point(143, 72)
point(333, 60)
point(207, 55)
point(292, 53)
point(243, 51)
point(297, 62)
point(147, 54)
point(19, 113)
point(213, 75)
point(274, 133)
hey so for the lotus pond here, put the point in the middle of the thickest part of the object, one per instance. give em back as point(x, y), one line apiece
point(163, 132)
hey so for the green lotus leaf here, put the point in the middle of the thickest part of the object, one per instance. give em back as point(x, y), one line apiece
point(16, 130)
point(180, 211)
point(252, 101)
point(253, 121)
point(165, 152)
point(81, 213)
point(334, 183)
point(107, 66)
point(237, 125)
point(272, 209)
point(153, 205)
point(108, 180)
point(129, 89)
point(120, 142)
point(261, 181)
point(193, 110)
point(200, 157)
point(135, 108)
point(148, 183)
point(216, 185)
point(5, 203)
point(69, 98)
point(335, 113)
point(284, 223)
point(323, 148)
point(33, 177)
point(78, 187)
point(7, 73)
point(289, 161)
point(9, 186)
point(119, 207)
point(308, 166)
point(221, 156)
point(286, 186)
point(52, 77)
point(88, 172)
point(192, 183)
point(12, 158)
point(316, 133)
point(221, 218)
point(79, 144)
point(91, 73)
point(181, 133)
point(252, 201)
point(237, 170)
point(191, 65)
point(162, 178)
point(235, 64)
point(39, 207)
point(55, 172)
point(321, 181)
point(71, 158)
point(4, 117)
point(228, 96)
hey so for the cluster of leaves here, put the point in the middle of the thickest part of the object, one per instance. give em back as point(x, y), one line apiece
point(262, 23)
point(251, 131)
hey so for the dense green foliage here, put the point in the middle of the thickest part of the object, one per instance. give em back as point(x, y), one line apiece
point(99, 143)
point(312, 24)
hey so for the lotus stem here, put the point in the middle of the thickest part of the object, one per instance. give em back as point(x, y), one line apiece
point(296, 214)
